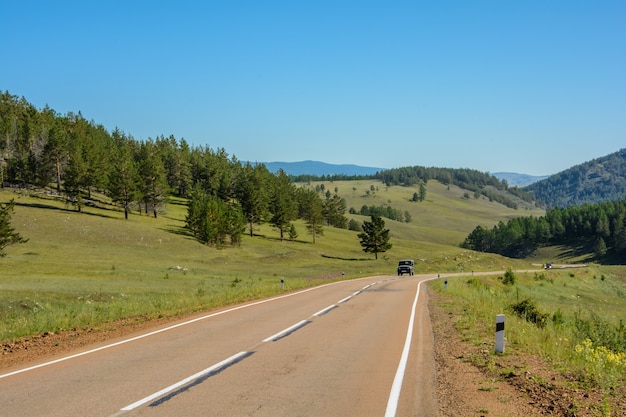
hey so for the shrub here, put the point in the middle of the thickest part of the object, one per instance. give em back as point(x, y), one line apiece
point(600, 332)
point(354, 225)
point(474, 282)
point(509, 277)
point(557, 318)
point(543, 277)
point(527, 310)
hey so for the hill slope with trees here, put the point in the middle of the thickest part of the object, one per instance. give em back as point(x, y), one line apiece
point(599, 229)
point(73, 159)
point(479, 183)
point(601, 179)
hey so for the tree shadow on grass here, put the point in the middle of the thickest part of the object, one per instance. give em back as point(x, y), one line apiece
point(584, 251)
point(345, 259)
point(180, 231)
point(67, 210)
point(278, 239)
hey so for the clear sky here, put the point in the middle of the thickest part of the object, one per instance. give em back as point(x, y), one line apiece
point(533, 87)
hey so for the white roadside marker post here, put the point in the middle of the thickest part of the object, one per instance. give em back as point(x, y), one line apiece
point(282, 283)
point(500, 333)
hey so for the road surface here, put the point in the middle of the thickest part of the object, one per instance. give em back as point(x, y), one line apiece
point(353, 348)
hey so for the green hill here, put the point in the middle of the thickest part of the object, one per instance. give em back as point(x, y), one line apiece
point(446, 216)
point(89, 270)
point(85, 269)
point(601, 179)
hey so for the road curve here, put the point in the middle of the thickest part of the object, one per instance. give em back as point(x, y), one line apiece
point(353, 348)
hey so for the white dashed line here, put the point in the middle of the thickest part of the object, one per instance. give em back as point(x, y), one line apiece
point(285, 332)
point(324, 311)
point(214, 368)
point(344, 299)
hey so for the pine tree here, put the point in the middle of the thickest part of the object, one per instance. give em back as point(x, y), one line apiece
point(354, 225)
point(375, 238)
point(123, 174)
point(599, 247)
point(251, 191)
point(422, 194)
point(213, 221)
point(334, 212)
point(153, 183)
point(293, 233)
point(74, 178)
point(312, 213)
point(283, 205)
point(8, 236)
point(55, 149)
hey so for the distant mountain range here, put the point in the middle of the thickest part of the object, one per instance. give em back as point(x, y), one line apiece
point(602, 179)
point(320, 168)
point(518, 180)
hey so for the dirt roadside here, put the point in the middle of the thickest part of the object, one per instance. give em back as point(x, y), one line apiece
point(513, 385)
point(510, 385)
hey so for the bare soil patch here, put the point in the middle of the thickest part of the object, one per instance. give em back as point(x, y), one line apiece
point(51, 345)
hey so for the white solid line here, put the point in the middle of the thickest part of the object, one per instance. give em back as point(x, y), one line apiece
point(343, 300)
point(396, 387)
point(132, 339)
point(185, 381)
point(324, 311)
point(285, 331)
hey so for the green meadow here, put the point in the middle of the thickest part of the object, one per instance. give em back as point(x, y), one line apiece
point(572, 318)
point(87, 269)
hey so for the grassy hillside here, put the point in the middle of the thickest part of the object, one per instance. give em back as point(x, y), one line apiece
point(84, 269)
point(446, 217)
point(572, 318)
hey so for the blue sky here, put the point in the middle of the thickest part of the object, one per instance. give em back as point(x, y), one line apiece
point(531, 87)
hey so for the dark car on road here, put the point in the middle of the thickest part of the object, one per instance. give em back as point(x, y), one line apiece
point(406, 266)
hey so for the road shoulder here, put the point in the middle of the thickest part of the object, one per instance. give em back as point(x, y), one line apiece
point(473, 381)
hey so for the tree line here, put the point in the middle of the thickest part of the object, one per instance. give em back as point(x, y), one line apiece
point(76, 158)
point(480, 183)
point(383, 211)
point(602, 227)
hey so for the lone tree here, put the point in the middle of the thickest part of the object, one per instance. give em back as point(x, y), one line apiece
point(8, 236)
point(375, 238)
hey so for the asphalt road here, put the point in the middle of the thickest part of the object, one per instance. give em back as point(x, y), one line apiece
point(354, 348)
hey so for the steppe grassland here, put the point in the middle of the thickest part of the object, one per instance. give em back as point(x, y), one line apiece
point(86, 269)
point(445, 217)
point(577, 303)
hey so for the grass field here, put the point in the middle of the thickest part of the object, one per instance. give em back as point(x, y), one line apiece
point(581, 331)
point(85, 269)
